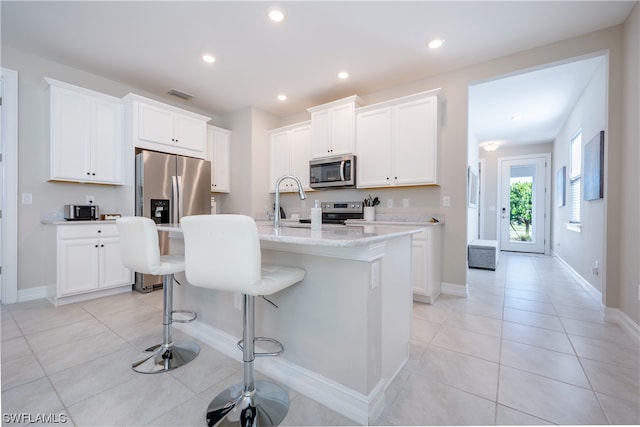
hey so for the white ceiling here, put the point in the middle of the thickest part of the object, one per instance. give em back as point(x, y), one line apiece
point(157, 45)
point(542, 99)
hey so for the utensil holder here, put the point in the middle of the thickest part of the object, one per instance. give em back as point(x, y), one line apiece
point(369, 213)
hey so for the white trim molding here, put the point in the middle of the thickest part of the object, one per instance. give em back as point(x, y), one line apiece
point(454, 289)
point(30, 294)
point(9, 222)
point(619, 317)
point(595, 293)
point(613, 315)
point(361, 408)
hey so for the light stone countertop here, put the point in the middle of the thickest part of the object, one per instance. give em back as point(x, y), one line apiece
point(338, 236)
point(81, 222)
point(399, 221)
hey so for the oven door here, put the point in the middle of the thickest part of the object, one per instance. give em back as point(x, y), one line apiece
point(332, 172)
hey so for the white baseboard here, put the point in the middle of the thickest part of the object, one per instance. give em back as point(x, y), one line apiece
point(454, 289)
point(613, 315)
point(619, 317)
point(363, 409)
point(596, 294)
point(89, 295)
point(31, 294)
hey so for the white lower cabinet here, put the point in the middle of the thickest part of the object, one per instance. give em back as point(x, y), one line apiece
point(87, 264)
point(426, 264)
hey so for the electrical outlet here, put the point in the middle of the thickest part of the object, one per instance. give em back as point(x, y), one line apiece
point(405, 203)
point(89, 200)
point(595, 270)
point(446, 201)
point(390, 203)
point(27, 198)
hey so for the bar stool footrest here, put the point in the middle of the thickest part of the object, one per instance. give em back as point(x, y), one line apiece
point(193, 317)
point(278, 344)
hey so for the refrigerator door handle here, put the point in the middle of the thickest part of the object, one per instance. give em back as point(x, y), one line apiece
point(175, 218)
point(180, 199)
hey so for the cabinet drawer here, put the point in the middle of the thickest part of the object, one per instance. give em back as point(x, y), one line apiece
point(87, 231)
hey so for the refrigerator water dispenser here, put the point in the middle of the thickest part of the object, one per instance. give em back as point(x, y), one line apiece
point(160, 211)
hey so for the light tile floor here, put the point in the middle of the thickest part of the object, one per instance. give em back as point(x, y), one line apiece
point(529, 346)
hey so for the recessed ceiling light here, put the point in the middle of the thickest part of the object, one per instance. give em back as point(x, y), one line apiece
point(208, 58)
point(343, 75)
point(435, 43)
point(276, 15)
point(516, 117)
point(282, 97)
point(490, 145)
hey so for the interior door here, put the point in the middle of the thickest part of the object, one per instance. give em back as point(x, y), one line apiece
point(523, 205)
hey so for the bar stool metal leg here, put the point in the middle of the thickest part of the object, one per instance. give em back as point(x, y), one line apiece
point(168, 355)
point(253, 403)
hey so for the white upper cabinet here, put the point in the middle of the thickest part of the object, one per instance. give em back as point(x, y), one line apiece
point(86, 135)
point(300, 154)
point(397, 142)
point(333, 127)
point(161, 127)
point(373, 148)
point(290, 152)
point(219, 154)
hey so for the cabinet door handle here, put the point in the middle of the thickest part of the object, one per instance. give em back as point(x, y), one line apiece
point(95, 246)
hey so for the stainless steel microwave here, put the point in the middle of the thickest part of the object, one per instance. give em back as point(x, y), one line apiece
point(80, 212)
point(331, 172)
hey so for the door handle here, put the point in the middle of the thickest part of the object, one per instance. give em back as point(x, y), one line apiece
point(174, 209)
point(180, 199)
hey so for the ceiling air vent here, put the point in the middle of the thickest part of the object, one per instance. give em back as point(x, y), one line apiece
point(180, 94)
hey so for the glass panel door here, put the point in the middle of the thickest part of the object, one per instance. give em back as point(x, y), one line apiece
point(522, 209)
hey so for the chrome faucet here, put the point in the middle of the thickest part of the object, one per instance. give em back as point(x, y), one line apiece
point(276, 214)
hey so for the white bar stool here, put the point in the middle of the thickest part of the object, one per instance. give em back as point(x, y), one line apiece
point(141, 252)
point(222, 252)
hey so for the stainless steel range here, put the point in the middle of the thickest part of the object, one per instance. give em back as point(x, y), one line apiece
point(339, 212)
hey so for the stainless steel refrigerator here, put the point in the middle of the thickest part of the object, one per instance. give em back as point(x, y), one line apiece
point(169, 187)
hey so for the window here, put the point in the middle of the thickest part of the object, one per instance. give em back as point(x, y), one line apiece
point(576, 176)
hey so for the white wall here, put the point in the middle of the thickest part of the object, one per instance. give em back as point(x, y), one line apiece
point(581, 250)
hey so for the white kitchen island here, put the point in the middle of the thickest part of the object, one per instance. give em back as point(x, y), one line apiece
point(345, 328)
